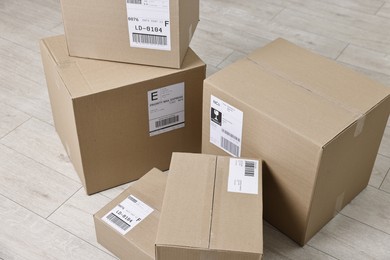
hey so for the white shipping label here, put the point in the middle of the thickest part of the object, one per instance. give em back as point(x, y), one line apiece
point(243, 176)
point(128, 214)
point(149, 24)
point(226, 126)
point(166, 109)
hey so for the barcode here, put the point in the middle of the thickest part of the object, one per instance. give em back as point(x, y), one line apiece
point(249, 168)
point(150, 39)
point(138, 2)
point(117, 221)
point(229, 146)
point(167, 121)
point(231, 135)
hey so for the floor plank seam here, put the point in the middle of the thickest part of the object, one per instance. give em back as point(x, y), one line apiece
point(63, 203)
point(2, 137)
point(227, 57)
point(77, 182)
point(379, 9)
point(384, 155)
point(276, 15)
point(342, 51)
point(384, 179)
point(323, 252)
point(24, 47)
point(377, 229)
point(20, 205)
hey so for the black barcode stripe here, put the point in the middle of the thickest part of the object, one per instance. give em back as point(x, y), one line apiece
point(117, 221)
point(231, 135)
point(167, 121)
point(150, 39)
point(138, 2)
point(250, 168)
point(229, 146)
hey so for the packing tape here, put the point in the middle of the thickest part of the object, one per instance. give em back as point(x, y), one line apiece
point(360, 125)
point(339, 204)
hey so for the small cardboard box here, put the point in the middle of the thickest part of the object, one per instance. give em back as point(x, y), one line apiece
point(120, 120)
point(316, 124)
point(145, 32)
point(127, 226)
point(212, 209)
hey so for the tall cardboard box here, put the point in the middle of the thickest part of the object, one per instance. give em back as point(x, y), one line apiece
point(117, 120)
point(146, 32)
point(212, 209)
point(316, 124)
point(127, 226)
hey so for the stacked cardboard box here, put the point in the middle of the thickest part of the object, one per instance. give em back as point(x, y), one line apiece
point(316, 124)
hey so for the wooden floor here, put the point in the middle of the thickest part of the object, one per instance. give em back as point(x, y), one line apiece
point(44, 212)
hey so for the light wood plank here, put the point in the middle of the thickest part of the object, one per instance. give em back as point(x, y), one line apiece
point(235, 56)
point(24, 235)
point(386, 183)
point(368, 59)
point(39, 141)
point(385, 10)
point(384, 149)
point(33, 185)
point(25, 95)
point(278, 246)
point(22, 61)
point(345, 238)
point(371, 207)
point(381, 167)
point(76, 216)
point(10, 118)
point(362, 30)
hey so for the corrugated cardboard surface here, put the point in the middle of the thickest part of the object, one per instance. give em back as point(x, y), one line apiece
point(316, 124)
point(99, 30)
point(100, 111)
point(139, 242)
point(200, 219)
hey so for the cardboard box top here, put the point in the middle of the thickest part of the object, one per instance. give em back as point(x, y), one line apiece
point(87, 76)
point(150, 189)
point(309, 94)
point(199, 212)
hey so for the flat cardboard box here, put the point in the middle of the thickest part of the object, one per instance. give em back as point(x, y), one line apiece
point(101, 29)
point(101, 113)
point(316, 124)
point(201, 219)
point(137, 243)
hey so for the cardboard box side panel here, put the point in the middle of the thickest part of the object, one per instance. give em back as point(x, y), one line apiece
point(186, 212)
point(189, 18)
point(303, 112)
point(99, 30)
point(118, 244)
point(346, 167)
point(237, 219)
point(291, 163)
point(113, 127)
point(62, 108)
point(188, 253)
point(328, 79)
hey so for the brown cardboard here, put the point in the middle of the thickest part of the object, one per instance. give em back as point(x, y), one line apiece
point(316, 124)
point(200, 219)
point(138, 243)
point(99, 30)
point(100, 112)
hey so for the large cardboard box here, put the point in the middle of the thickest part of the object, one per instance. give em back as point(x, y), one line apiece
point(136, 31)
point(127, 226)
point(316, 124)
point(119, 120)
point(212, 209)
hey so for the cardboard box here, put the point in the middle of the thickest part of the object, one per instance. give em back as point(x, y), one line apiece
point(212, 209)
point(154, 33)
point(316, 124)
point(117, 228)
point(120, 120)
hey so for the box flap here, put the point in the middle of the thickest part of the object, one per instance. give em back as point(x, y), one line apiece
point(188, 201)
point(237, 219)
point(334, 82)
point(320, 97)
point(87, 76)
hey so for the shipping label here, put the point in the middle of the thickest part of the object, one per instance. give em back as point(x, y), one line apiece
point(243, 176)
